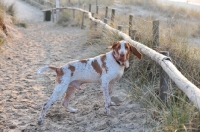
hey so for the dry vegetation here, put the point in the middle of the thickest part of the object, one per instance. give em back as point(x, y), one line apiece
point(2, 24)
point(178, 28)
point(7, 19)
point(176, 34)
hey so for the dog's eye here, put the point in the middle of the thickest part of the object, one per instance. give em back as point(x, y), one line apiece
point(126, 47)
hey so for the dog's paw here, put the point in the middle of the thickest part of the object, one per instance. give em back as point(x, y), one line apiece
point(40, 121)
point(72, 110)
point(112, 104)
point(107, 111)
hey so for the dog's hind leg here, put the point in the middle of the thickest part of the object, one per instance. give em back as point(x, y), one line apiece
point(70, 91)
point(59, 91)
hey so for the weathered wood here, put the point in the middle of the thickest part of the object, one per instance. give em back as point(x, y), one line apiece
point(112, 15)
point(74, 14)
point(96, 2)
point(90, 7)
point(192, 92)
point(133, 34)
point(95, 23)
point(78, 3)
point(97, 9)
point(45, 3)
point(53, 15)
point(119, 28)
point(130, 24)
point(57, 9)
point(106, 12)
point(82, 23)
point(155, 33)
point(105, 20)
point(164, 82)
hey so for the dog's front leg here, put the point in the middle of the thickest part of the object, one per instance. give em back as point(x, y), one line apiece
point(110, 93)
point(104, 86)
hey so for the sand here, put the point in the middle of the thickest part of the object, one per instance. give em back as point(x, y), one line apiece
point(23, 92)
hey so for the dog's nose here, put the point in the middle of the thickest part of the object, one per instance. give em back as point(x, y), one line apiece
point(122, 55)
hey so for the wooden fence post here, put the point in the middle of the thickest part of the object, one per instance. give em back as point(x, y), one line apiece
point(112, 16)
point(119, 28)
point(90, 7)
point(45, 5)
point(164, 82)
point(52, 13)
point(97, 9)
point(82, 24)
point(130, 24)
point(133, 34)
point(105, 20)
point(156, 33)
point(106, 13)
point(78, 3)
point(57, 10)
point(95, 23)
point(96, 2)
point(73, 11)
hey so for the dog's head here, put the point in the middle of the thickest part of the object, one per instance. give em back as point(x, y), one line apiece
point(122, 50)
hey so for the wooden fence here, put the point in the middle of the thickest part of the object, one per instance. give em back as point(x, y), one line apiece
point(192, 91)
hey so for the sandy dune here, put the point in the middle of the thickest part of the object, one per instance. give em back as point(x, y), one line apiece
point(23, 92)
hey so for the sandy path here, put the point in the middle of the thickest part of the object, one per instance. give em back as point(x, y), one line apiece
point(23, 92)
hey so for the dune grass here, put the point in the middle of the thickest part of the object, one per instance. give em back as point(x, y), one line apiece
point(175, 36)
point(166, 9)
point(7, 19)
point(2, 19)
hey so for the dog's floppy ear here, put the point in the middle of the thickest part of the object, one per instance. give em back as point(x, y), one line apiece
point(113, 45)
point(135, 51)
point(109, 47)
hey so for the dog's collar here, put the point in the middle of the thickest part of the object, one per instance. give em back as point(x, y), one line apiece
point(116, 59)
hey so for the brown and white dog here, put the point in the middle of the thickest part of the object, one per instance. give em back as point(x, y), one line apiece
point(104, 69)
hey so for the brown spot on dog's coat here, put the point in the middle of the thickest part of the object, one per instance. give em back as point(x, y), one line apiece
point(83, 61)
point(59, 73)
point(96, 67)
point(103, 57)
point(116, 46)
point(72, 69)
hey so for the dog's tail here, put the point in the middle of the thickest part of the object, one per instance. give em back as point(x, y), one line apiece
point(42, 69)
point(57, 70)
